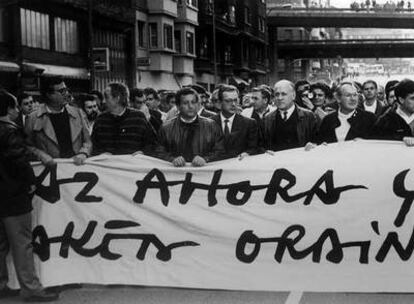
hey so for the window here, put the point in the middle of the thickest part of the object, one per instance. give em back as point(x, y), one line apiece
point(2, 38)
point(232, 14)
point(189, 38)
point(177, 40)
point(261, 24)
point(66, 36)
point(192, 3)
point(247, 16)
point(35, 29)
point(141, 34)
point(153, 35)
point(168, 36)
point(227, 54)
point(204, 47)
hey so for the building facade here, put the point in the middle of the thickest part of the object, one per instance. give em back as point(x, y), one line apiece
point(232, 40)
point(165, 43)
point(51, 38)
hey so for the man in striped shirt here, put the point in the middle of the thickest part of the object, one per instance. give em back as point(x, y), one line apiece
point(121, 130)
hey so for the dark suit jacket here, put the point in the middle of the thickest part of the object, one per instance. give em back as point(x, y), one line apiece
point(391, 126)
point(207, 113)
point(243, 136)
point(155, 120)
point(362, 123)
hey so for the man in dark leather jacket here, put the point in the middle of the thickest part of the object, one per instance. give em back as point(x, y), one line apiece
point(190, 137)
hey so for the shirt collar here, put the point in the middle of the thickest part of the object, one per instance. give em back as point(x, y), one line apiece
point(403, 115)
point(188, 121)
point(289, 111)
point(345, 116)
point(49, 111)
point(201, 110)
point(230, 119)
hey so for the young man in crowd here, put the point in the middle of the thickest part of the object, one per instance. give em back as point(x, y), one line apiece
point(26, 106)
point(370, 103)
point(121, 130)
point(152, 99)
point(56, 129)
point(90, 109)
point(16, 190)
point(398, 123)
point(138, 102)
point(240, 133)
point(190, 137)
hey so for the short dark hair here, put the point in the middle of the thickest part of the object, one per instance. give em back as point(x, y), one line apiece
point(47, 84)
point(265, 92)
point(226, 88)
point(7, 101)
point(323, 87)
point(404, 87)
point(82, 98)
point(370, 81)
point(22, 96)
point(98, 94)
point(120, 90)
point(135, 92)
point(390, 85)
point(151, 91)
point(300, 83)
point(183, 92)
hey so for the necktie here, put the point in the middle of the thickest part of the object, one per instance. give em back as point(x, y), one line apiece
point(226, 127)
point(284, 115)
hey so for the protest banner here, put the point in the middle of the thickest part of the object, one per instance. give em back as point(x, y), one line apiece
point(337, 218)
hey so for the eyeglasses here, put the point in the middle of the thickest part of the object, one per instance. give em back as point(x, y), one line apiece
point(63, 91)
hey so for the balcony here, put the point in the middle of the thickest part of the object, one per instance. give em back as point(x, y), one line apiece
point(183, 65)
point(168, 7)
point(187, 14)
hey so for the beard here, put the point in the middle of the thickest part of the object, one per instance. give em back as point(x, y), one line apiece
point(92, 116)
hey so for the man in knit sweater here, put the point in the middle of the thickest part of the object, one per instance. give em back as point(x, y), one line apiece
point(121, 130)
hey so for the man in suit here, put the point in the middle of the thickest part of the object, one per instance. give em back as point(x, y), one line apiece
point(240, 133)
point(371, 104)
point(348, 122)
point(56, 129)
point(290, 126)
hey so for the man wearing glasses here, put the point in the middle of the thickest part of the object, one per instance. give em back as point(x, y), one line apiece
point(56, 129)
point(240, 133)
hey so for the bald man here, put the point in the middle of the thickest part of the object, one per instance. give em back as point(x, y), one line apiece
point(290, 126)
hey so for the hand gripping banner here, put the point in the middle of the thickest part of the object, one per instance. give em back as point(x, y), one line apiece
point(337, 218)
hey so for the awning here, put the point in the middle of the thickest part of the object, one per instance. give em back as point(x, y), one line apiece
point(8, 66)
point(56, 70)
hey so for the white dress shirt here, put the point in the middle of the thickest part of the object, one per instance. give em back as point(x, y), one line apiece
point(372, 108)
point(230, 123)
point(344, 126)
point(289, 112)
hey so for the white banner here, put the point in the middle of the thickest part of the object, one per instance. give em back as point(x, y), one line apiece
point(337, 218)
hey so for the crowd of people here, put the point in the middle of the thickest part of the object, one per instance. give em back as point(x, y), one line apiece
point(187, 127)
point(389, 6)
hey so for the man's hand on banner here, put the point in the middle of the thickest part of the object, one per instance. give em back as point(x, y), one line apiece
point(270, 152)
point(32, 189)
point(137, 153)
point(310, 146)
point(243, 155)
point(409, 141)
point(178, 161)
point(198, 161)
point(79, 159)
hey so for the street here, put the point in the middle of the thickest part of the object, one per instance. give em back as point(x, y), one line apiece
point(132, 294)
